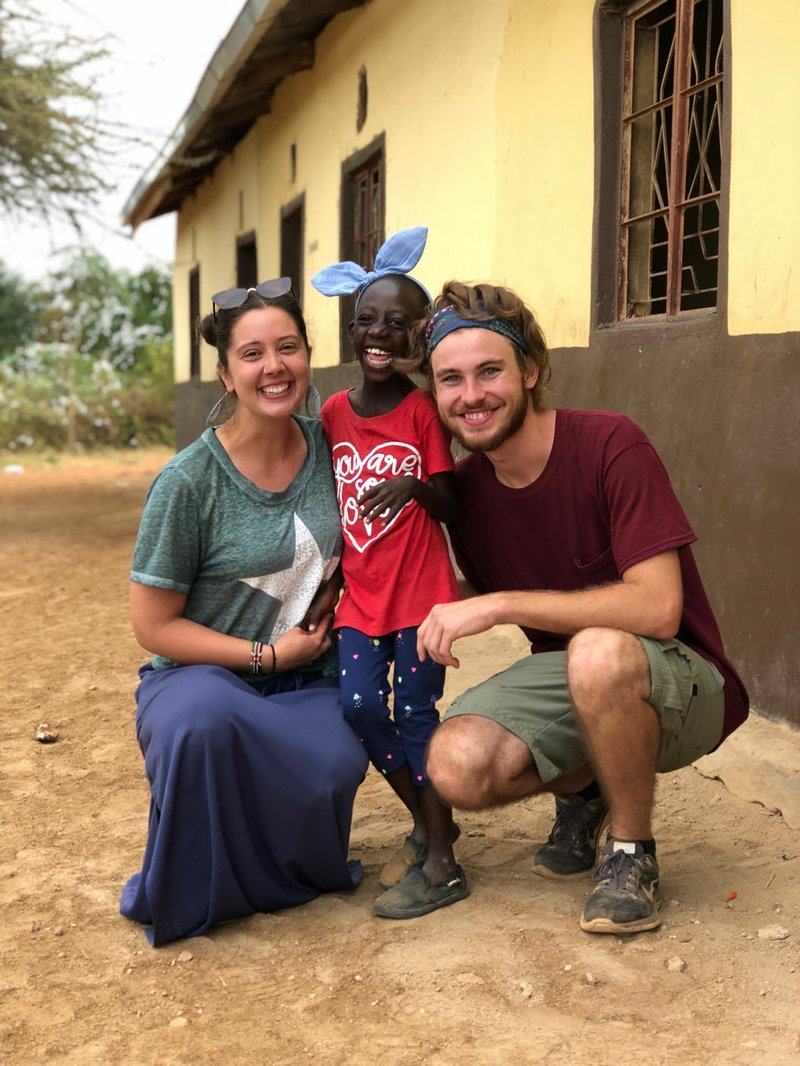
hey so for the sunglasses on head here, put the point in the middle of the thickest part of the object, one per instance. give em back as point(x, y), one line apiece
point(230, 298)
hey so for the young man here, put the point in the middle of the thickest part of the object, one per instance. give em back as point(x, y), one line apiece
point(568, 527)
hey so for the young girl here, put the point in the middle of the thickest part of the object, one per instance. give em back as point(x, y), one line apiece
point(394, 482)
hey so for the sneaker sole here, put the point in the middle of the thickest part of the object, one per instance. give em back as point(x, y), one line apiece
point(544, 871)
point(608, 925)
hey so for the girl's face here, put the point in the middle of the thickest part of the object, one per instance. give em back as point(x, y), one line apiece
point(268, 364)
point(379, 331)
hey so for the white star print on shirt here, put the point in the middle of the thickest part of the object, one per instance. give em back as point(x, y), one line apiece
point(295, 586)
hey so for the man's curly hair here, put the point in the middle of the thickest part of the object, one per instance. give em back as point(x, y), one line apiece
point(479, 303)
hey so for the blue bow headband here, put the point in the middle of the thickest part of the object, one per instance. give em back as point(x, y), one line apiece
point(397, 255)
point(446, 321)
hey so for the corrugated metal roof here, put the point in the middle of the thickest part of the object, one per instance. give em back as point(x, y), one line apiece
point(270, 40)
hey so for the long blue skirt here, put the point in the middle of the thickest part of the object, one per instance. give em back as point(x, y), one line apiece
point(251, 797)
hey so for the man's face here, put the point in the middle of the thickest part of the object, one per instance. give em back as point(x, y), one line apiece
point(481, 392)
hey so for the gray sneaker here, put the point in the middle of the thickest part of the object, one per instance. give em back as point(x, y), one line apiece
point(626, 898)
point(575, 839)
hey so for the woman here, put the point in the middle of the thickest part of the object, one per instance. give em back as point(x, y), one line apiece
point(252, 768)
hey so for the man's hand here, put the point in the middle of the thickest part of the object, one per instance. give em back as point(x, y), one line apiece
point(449, 621)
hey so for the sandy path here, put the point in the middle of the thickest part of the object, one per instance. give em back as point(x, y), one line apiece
point(505, 976)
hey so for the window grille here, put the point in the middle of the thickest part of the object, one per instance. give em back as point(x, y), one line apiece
point(672, 158)
point(362, 221)
point(368, 213)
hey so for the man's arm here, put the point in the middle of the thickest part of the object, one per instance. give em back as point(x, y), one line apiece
point(648, 601)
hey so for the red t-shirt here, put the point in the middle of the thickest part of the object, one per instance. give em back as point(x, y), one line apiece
point(602, 503)
point(394, 574)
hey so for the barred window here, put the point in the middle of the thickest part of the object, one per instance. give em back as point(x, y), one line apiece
point(671, 158)
point(363, 200)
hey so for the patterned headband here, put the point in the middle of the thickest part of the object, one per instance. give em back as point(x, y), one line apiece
point(446, 321)
point(396, 256)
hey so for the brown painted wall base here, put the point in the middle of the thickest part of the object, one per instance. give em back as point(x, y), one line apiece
point(724, 414)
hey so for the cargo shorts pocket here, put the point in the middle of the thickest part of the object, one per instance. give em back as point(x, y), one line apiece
point(687, 695)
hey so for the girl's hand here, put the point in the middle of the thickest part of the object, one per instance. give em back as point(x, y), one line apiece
point(301, 647)
point(386, 500)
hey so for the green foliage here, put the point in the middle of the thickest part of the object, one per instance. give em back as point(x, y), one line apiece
point(100, 373)
point(107, 313)
point(51, 397)
point(52, 139)
point(18, 312)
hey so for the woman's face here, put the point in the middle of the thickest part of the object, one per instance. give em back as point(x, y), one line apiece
point(268, 363)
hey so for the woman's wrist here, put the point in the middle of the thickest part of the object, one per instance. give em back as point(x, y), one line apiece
point(263, 658)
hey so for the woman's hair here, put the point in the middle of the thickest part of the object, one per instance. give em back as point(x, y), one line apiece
point(481, 303)
point(217, 328)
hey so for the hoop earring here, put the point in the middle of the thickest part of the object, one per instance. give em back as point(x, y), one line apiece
point(312, 401)
point(215, 411)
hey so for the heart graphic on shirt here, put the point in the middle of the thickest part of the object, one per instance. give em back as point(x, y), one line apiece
point(356, 474)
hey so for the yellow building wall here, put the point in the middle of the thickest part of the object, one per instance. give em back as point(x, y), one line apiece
point(545, 164)
point(440, 156)
point(764, 234)
point(430, 124)
point(491, 145)
point(476, 149)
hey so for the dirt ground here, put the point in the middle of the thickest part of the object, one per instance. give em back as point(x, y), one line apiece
point(506, 975)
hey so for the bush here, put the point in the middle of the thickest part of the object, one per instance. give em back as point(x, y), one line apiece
point(100, 371)
point(53, 397)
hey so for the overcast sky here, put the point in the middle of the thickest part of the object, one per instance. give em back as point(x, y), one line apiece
point(159, 51)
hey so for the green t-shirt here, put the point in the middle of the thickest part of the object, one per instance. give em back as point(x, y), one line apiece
point(248, 561)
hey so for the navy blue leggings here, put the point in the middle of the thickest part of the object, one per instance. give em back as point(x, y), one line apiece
point(364, 664)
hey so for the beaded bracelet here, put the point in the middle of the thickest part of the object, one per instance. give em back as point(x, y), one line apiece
point(256, 647)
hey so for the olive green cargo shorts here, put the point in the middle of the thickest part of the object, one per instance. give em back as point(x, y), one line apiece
point(532, 701)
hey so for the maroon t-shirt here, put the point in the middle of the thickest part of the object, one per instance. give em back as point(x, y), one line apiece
point(603, 503)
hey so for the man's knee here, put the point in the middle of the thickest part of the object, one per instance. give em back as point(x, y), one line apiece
point(472, 762)
point(603, 664)
point(455, 764)
point(444, 762)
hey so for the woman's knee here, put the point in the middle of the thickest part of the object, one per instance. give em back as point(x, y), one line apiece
point(194, 706)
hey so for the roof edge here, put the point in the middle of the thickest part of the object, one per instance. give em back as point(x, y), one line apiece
point(232, 52)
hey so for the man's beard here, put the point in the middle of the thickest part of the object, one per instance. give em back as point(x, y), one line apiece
point(491, 443)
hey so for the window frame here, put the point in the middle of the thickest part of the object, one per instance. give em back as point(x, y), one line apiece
point(195, 367)
point(609, 291)
point(367, 158)
point(247, 256)
point(293, 220)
